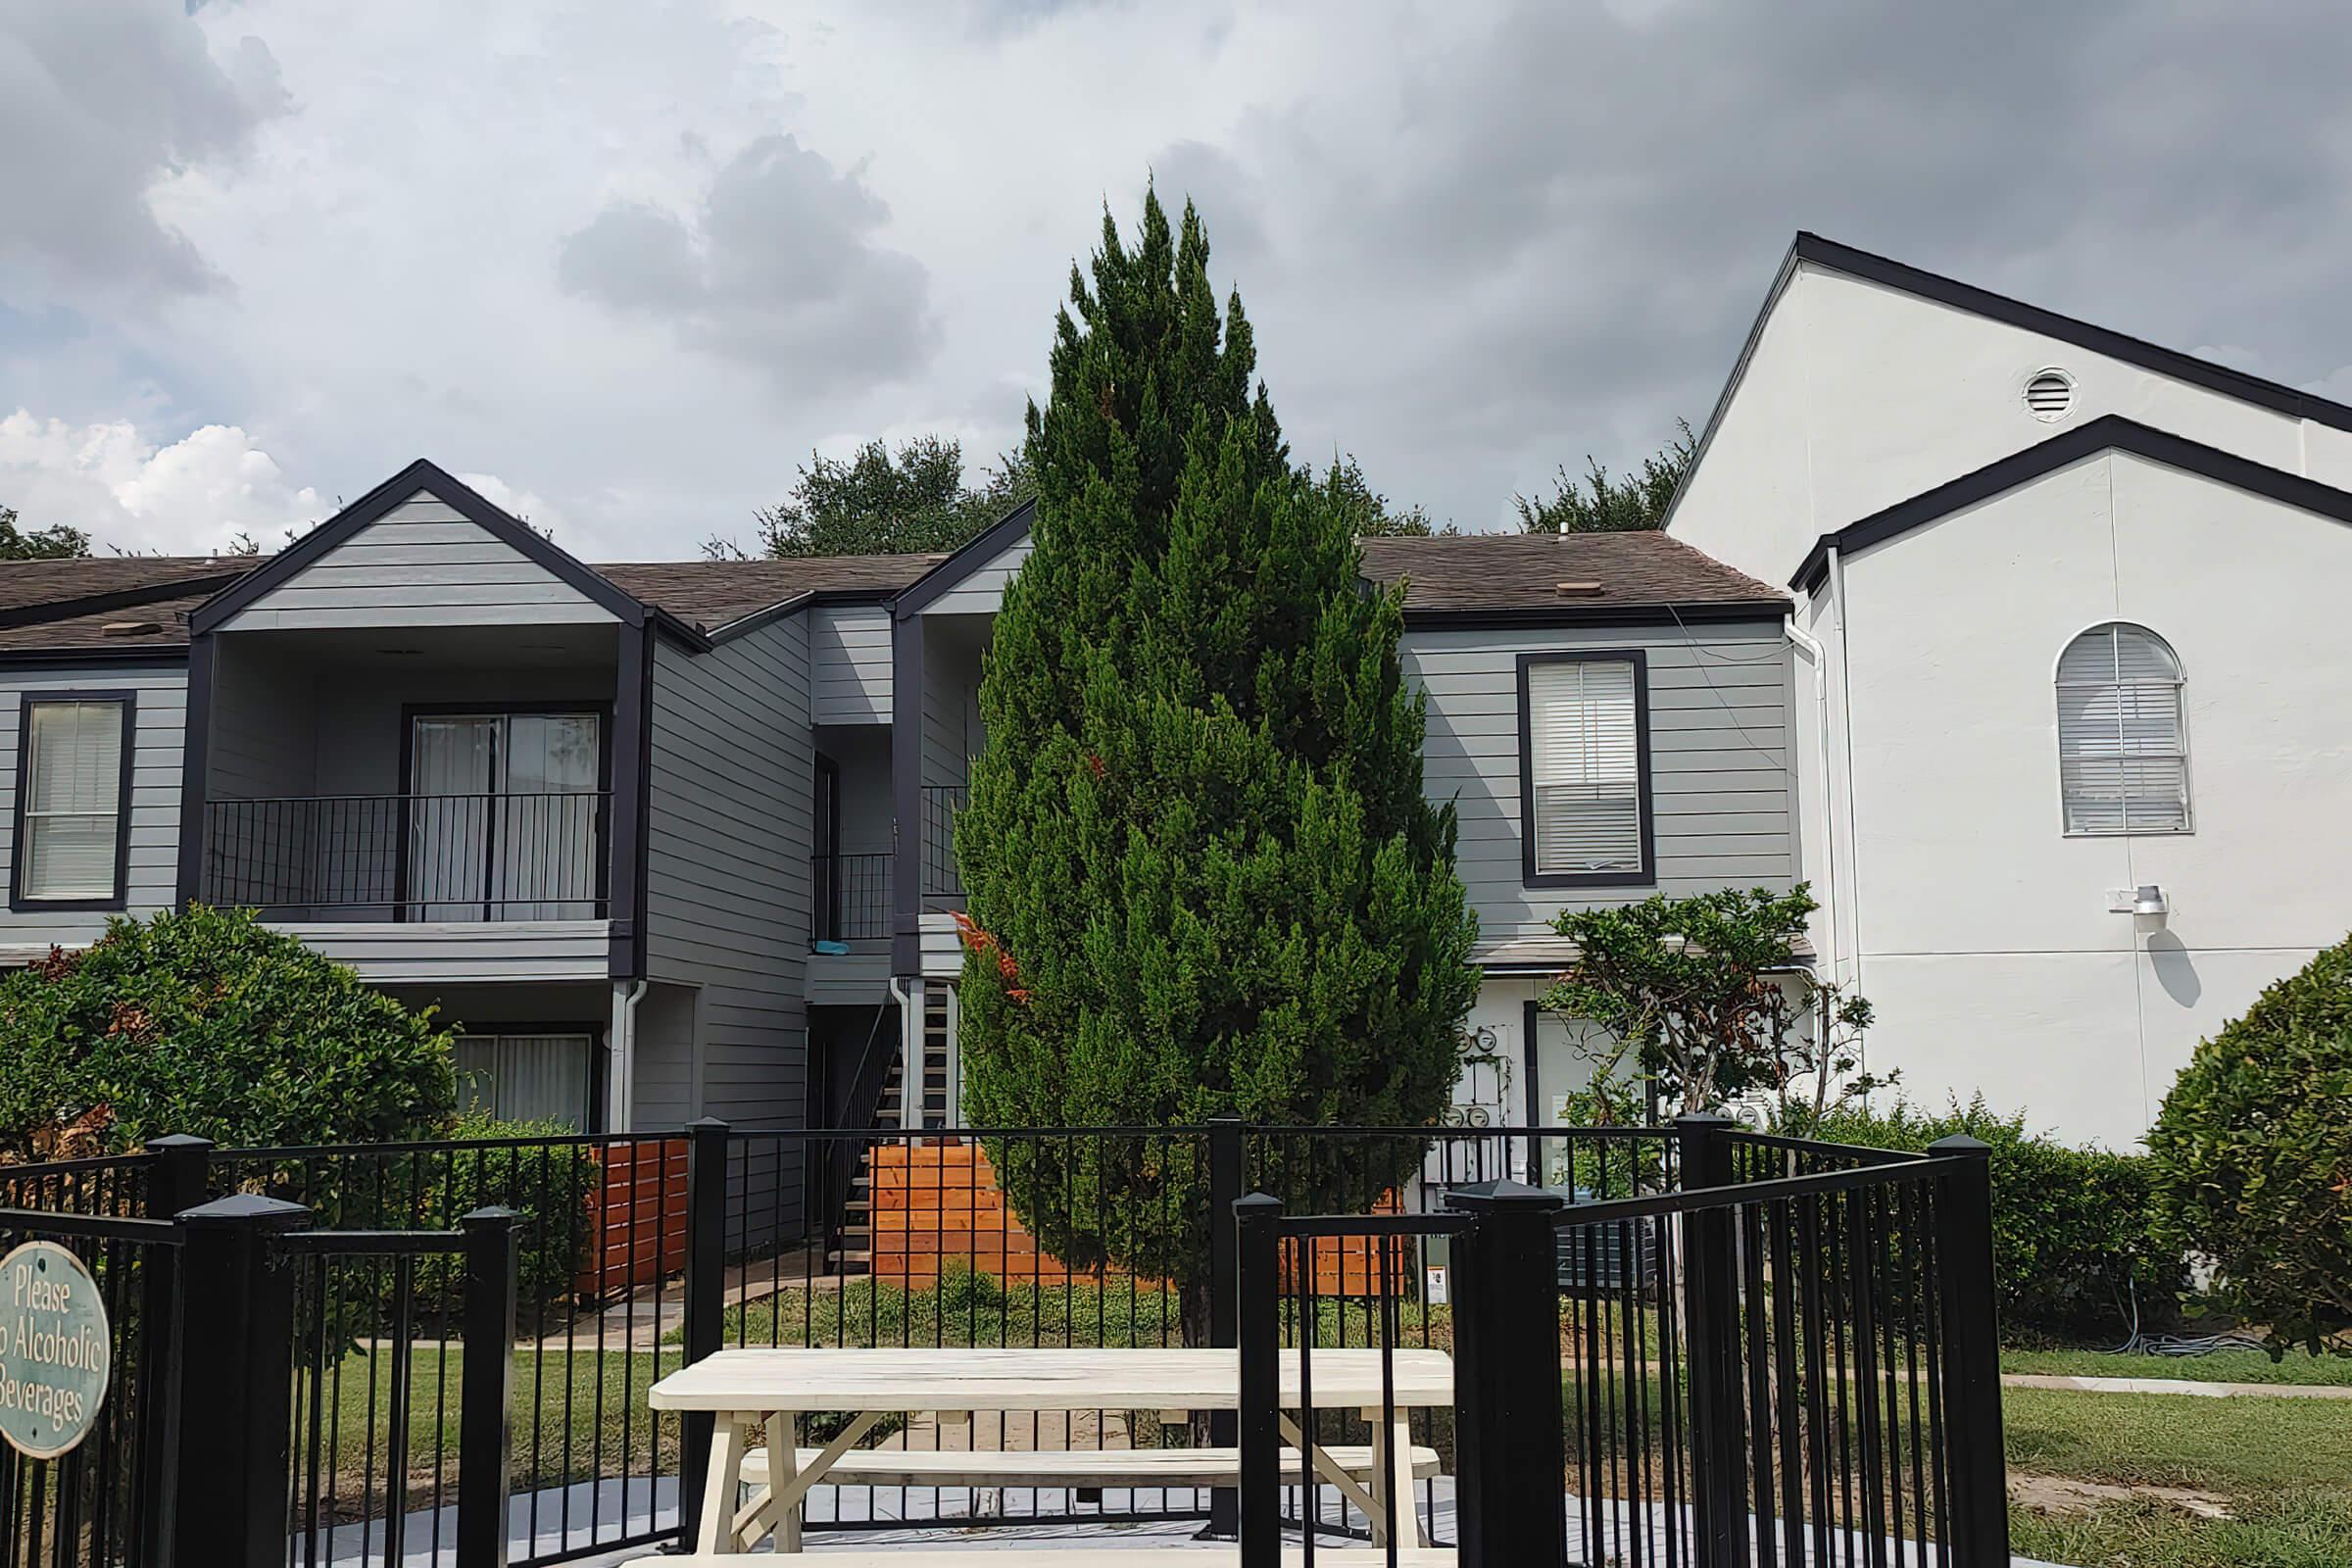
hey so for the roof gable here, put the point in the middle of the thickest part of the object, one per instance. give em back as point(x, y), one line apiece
point(418, 479)
point(2108, 434)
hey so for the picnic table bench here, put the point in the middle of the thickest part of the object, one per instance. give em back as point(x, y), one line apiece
point(756, 1397)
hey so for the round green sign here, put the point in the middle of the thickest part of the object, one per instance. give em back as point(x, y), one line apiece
point(54, 1351)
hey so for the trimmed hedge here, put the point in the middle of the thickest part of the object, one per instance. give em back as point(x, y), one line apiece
point(2074, 1230)
point(2253, 1157)
point(208, 1024)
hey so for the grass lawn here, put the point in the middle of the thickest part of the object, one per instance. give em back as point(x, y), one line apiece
point(560, 1434)
point(2221, 1366)
point(2282, 1468)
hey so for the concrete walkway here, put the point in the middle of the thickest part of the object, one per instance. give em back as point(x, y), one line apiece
point(935, 1520)
point(2194, 1389)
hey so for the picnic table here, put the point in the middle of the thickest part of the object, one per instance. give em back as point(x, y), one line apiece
point(755, 1398)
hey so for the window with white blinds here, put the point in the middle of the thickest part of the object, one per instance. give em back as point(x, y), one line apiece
point(69, 800)
point(1584, 767)
point(526, 1077)
point(2122, 747)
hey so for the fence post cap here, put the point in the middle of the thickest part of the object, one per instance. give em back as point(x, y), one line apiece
point(1256, 1203)
point(1503, 1193)
point(248, 1208)
point(1962, 1146)
point(171, 1142)
point(1224, 1118)
point(1704, 1118)
point(490, 1214)
point(706, 1124)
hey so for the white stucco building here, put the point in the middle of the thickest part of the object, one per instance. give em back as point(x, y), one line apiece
point(2077, 621)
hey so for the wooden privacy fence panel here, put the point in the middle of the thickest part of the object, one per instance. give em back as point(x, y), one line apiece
point(636, 1218)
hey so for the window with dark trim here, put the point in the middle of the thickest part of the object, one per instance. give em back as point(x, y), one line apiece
point(73, 817)
point(1584, 769)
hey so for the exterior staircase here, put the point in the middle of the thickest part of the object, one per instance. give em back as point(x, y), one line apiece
point(854, 1253)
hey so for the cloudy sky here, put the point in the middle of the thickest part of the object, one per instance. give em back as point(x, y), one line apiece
point(626, 265)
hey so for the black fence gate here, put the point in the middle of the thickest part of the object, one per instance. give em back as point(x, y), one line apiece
point(1789, 1358)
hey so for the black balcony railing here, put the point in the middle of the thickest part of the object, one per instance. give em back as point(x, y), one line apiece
point(941, 804)
point(486, 856)
point(851, 896)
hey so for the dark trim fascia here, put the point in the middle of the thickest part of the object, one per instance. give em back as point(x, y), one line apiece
point(118, 599)
point(630, 747)
point(442, 486)
point(2111, 433)
point(1895, 274)
point(686, 635)
point(906, 794)
point(18, 903)
point(91, 657)
point(1647, 876)
point(1564, 617)
point(967, 559)
point(195, 764)
point(743, 625)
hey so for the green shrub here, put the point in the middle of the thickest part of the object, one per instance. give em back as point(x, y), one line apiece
point(551, 1184)
point(208, 1023)
point(2253, 1157)
point(2074, 1230)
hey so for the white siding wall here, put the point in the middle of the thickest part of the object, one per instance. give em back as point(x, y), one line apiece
point(1986, 939)
point(1720, 761)
point(1860, 396)
point(154, 855)
point(728, 887)
point(423, 565)
point(848, 650)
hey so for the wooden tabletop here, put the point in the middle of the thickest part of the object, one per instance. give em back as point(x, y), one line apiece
point(774, 1381)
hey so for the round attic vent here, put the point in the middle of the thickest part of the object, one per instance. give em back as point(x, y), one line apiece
point(2049, 395)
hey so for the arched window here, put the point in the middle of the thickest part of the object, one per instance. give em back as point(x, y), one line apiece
point(2123, 748)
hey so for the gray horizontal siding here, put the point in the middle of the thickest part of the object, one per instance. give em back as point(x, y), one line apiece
point(1721, 784)
point(423, 565)
point(160, 723)
point(727, 894)
point(849, 655)
point(982, 592)
point(425, 950)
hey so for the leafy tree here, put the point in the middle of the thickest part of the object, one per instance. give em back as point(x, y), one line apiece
point(205, 1022)
point(55, 543)
point(883, 503)
point(2253, 1152)
point(1705, 996)
point(1202, 876)
point(1369, 513)
point(1602, 503)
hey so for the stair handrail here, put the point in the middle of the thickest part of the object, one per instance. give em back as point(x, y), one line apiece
point(856, 1111)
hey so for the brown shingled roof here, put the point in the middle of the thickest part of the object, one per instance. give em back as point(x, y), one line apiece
point(1513, 574)
point(709, 594)
point(1523, 571)
point(44, 582)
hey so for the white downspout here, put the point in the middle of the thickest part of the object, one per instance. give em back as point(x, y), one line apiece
point(1805, 644)
point(1845, 713)
point(620, 1057)
point(910, 1050)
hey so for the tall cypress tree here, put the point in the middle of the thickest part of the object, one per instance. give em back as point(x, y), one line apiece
point(1197, 853)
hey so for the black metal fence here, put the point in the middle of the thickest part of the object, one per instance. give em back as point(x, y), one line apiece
point(943, 880)
point(1691, 1344)
point(480, 857)
point(850, 896)
point(1749, 1369)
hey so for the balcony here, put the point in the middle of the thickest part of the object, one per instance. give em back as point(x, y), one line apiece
point(416, 886)
point(851, 896)
point(943, 883)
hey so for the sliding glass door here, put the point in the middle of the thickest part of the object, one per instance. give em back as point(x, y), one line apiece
point(504, 816)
